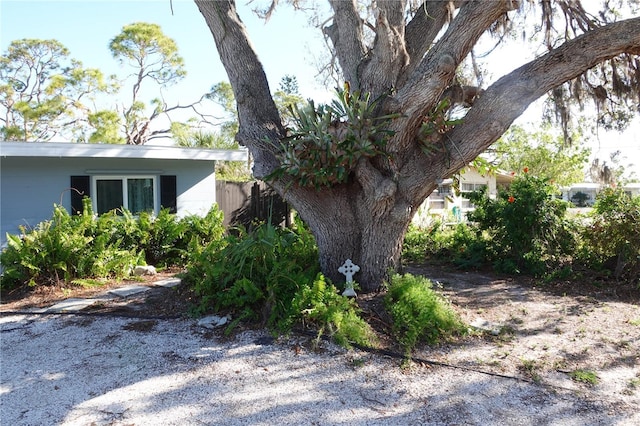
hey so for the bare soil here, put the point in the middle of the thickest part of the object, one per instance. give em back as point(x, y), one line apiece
point(568, 335)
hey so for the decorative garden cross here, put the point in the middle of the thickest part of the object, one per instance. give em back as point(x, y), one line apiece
point(348, 269)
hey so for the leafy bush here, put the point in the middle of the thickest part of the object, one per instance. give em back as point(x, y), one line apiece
point(461, 245)
point(612, 240)
point(422, 243)
point(272, 276)
point(526, 226)
point(416, 243)
point(255, 274)
point(68, 248)
point(166, 239)
point(63, 249)
point(321, 306)
point(467, 247)
point(418, 312)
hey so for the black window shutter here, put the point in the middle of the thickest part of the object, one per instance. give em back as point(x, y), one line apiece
point(80, 188)
point(168, 193)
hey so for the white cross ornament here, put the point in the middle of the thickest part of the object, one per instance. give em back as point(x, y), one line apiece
point(348, 269)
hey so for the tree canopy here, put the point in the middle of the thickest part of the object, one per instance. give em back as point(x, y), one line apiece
point(43, 91)
point(46, 94)
point(405, 93)
point(543, 153)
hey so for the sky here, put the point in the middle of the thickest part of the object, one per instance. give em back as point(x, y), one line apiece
point(85, 27)
point(286, 45)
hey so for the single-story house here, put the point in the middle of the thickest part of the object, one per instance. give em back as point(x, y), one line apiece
point(584, 194)
point(446, 206)
point(34, 176)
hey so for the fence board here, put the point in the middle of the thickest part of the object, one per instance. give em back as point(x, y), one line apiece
point(245, 203)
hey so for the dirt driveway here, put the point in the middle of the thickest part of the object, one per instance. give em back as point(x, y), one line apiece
point(543, 359)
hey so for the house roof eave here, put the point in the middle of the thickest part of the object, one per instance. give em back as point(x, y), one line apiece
point(79, 150)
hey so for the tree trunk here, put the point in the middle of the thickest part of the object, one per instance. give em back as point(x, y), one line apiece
point(345, 228)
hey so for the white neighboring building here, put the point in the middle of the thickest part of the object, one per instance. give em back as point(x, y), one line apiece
point(445, 206)
point(584, 194)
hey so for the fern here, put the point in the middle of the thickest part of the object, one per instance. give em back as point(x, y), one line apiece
point(419, 313)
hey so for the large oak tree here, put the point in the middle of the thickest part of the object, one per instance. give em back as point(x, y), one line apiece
point(410, 59)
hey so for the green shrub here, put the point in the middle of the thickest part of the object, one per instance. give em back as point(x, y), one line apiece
point(419, 313)
point(467, 248)
point(165, 233)
point(423, 243)
point(461, 245)
point(120, 227)
point(63, 249)
point(71, 248)
point(272, 276)
point(416, 240)
point(612, 240)
point(255, 274)
point(320, 305)
point(526, 227)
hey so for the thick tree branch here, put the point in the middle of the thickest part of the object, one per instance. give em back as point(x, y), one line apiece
point(506, 99)
point(473, 20)
point(437, 69)
point(509, 97)
point(347, 38)
point(257, 113)
point(389, 54)
point(422, 30)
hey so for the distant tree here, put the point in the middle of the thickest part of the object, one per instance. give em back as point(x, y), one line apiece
point(221, 138)
point(224, 138)
point(153, 56)
point(545, 155)
point(612, 172)
point(225, 170)
point(287, 98)
point(226, 123)
point(222, 95)
point(45, 94)
point(107, 127)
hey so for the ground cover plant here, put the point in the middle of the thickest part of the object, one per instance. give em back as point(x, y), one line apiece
point(78, 248)
point(419, 313)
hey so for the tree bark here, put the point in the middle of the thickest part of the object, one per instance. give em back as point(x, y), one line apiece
point(366, 218)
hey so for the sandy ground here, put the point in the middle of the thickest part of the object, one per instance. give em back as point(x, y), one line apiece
point(73, 370)
point(111, 370)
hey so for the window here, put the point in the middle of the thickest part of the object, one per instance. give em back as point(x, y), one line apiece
point(444, 189)
point(470, 187)
point(134, 193)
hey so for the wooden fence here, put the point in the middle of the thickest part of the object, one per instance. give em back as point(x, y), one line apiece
point(245, 203)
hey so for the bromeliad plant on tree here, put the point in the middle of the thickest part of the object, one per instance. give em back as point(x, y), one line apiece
point(328, 141)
